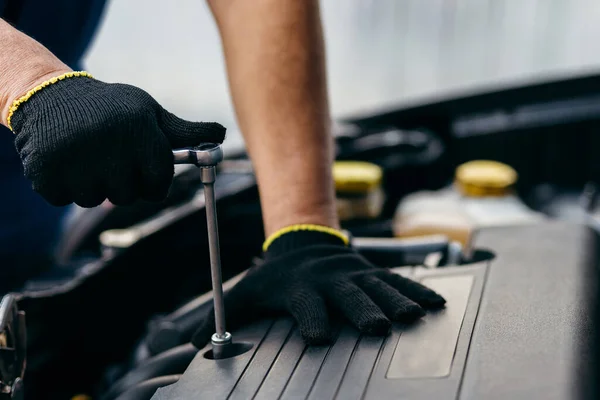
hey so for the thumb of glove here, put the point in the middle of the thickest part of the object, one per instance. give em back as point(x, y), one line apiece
point(182, 133)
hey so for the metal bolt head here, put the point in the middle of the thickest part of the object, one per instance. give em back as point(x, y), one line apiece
point(220, 340)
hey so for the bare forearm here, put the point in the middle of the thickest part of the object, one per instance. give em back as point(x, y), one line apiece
point(24, 63)
point(276, 66)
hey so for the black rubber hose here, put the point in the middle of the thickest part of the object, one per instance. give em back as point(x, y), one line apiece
point(178, 327)
point(146, 389)
point(173, 361)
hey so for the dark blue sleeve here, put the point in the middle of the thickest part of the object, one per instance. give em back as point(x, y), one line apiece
point(65, 27)
point(28, 224)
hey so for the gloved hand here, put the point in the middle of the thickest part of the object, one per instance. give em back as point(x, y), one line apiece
point(82, 140)
point(313, 276)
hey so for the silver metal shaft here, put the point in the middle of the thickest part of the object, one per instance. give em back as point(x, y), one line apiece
point(208, 179)
point(207, 156)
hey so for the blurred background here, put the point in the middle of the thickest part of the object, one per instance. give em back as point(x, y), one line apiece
point(381, 53)
point(508, 177)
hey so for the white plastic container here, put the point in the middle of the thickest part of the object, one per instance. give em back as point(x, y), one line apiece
point(481, 196)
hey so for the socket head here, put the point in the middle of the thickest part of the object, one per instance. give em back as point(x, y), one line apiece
point(219, 340)
point(203, 155)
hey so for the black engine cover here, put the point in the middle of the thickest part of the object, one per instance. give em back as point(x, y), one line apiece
point(519, 327)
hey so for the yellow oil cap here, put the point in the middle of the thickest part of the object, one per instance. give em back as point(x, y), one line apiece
point(356, 176)
point(485, 178)
point(81, 397)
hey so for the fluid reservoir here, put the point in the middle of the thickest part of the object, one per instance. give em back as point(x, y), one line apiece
point(488, 196)
point(482, 195)
point(358, 190)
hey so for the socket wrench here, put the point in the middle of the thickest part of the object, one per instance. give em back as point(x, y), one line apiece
point(206, 156)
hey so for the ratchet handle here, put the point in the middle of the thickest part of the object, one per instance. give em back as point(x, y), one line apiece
point(207, 156)
point(204, 155)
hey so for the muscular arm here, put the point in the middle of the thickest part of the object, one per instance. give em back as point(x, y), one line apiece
point(24, 63)
point(276, 65)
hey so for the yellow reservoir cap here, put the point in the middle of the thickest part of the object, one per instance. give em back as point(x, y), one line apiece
point(356, 176)
point(485, 178)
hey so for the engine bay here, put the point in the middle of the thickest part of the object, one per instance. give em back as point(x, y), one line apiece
point(113, 319)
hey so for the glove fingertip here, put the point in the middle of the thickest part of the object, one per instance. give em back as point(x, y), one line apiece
point(195, 133)
point(213, 131)
point(377, 327)
point(183, 133)
point(316, 334)
point(433, 301)
point(57, 200)
point(409, 313)
point(415, 291)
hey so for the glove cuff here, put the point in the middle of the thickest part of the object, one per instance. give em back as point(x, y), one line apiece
point(302, 235)
point(15, 105)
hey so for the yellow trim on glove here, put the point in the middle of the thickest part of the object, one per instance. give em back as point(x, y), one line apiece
point(304, 227)
point(39, 87)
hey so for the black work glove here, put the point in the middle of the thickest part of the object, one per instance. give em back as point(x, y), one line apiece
point(313, 276)
point(82, 140)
